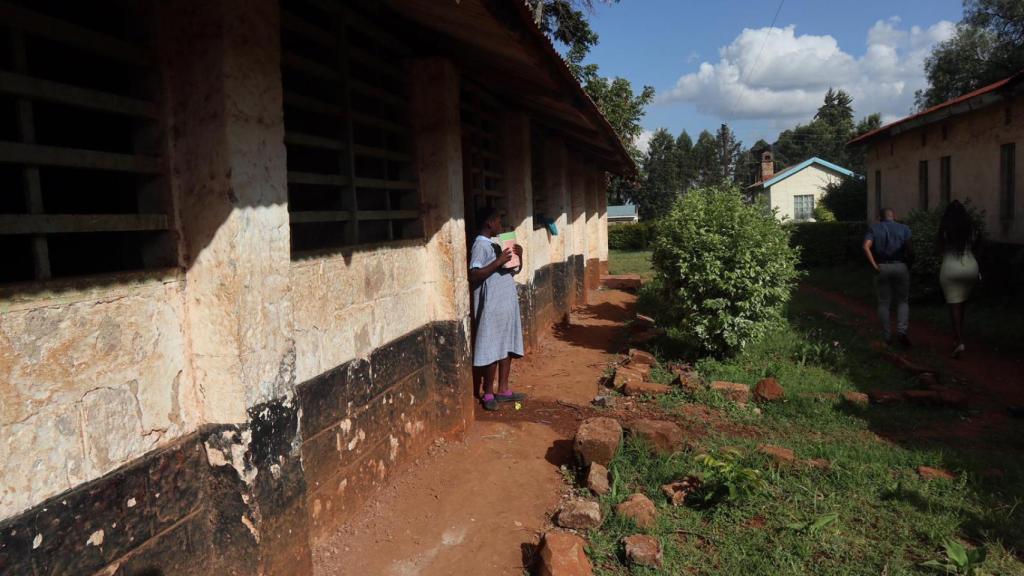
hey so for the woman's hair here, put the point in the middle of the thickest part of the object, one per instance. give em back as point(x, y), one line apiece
point(957, 230)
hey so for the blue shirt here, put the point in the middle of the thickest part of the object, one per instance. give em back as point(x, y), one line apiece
point(889, 241)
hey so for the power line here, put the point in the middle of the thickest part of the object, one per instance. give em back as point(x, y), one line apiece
point(743, 79)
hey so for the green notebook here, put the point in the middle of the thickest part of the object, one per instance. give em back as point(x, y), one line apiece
point(508, 240)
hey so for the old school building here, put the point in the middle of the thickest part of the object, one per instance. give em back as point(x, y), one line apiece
point(967, 149)
point(233, 293)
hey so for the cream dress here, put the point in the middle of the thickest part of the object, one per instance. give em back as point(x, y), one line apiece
point(958, 275)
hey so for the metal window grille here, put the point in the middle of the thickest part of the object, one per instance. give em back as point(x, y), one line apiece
point(922, 184)
point(484, 175)
point(351, 170)
point(1007, 181)
point(81, 141)
point(878, 191)
point(803, 207)
point(945, 179)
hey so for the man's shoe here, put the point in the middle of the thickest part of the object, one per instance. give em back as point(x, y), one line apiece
point(903, 340)
point(510, 397)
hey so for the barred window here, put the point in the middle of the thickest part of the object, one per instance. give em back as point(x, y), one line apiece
point(803, 207)
point(351, 169)
point(483, 172)
point(945, 179)
point(81, 141)
point(1007, 181)
point(922, 184)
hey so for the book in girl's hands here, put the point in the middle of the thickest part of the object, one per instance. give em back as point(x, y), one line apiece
point(508, 240)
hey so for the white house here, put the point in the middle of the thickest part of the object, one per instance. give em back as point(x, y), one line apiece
point(796, 190)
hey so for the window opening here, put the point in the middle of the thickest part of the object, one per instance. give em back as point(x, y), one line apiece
point(803, 207)
point(1007, 181)
point(945, 179)
point(351, 169)
point(483, 163)
point(922, 184)
point(81, 142)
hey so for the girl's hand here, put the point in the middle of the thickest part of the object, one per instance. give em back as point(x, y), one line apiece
point(504, 257)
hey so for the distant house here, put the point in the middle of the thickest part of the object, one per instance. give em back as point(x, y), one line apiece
point(963, 148)
point(796, 190)
point(623, 214)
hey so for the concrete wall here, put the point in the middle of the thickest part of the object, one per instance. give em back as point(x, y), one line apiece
point(972, 142)
point(217, 417)
point(811, 180)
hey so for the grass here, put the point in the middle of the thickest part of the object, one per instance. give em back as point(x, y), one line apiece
point(887, 519)
point(625, 262)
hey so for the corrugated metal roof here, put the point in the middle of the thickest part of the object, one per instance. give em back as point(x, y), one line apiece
point(946, 109)
point(622, 211)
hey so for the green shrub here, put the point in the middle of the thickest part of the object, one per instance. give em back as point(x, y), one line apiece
point(924, 228)
point(847, 199)
point(828, 243)
point(631, 236)
point(725, 268)
point(823, 214)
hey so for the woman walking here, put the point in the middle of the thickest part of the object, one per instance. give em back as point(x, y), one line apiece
point(957, 242)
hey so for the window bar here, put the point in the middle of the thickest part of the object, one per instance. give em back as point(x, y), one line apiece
point(347, 159)
point(30, 172)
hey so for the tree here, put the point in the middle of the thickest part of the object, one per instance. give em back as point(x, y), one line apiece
point(988, 45)
point(847, 199)
point(684, 161)
point(727, 154)
point(661, 176)
point(836, 119)
point(704, 160)
point(748, 168)
point(565, 22)
point(827, 134)
point(855, 155)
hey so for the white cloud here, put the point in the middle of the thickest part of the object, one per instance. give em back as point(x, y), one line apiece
point(643, 140)
point(788, 77)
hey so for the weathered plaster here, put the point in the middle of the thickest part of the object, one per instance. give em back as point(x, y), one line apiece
point(87, 383)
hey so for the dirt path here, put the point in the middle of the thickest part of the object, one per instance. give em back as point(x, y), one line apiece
point(995, 379)
point(479, 506)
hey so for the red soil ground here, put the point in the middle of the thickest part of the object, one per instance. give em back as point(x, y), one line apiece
point(479, 506)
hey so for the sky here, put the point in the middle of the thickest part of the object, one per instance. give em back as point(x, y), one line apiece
point(715, 61)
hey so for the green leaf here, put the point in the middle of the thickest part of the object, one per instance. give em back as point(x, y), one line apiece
point(956, 552)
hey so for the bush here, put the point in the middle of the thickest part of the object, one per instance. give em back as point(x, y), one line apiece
point(823, 214)
point(828, 243)
point(725, 270)
point(631, 236)
point(847, 199)
point(924, 227)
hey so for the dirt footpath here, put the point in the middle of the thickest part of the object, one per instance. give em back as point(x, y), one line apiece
point(479, 506)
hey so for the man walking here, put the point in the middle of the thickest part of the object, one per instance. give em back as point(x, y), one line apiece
point(887, 246)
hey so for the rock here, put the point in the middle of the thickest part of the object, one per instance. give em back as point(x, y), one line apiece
point(641, 357)
point(929, 473)
point(928, 379)
point(603, 401)
point(664, 437)
point(580, 515)
point(951, 398)
point(624, 375)
point(885, 397)
point(689, 382)
point(856, 398)
point(597, 479)
point(643, 321)
point(819, 464)
point(678, 491)
point(597, 440)
point(643, 550)
point(645, 337)
point(639, 509)
point(778, 453)
point(739, 393)
point(768, 390)
point(563, 554)
point(633, 388)
point(644, 370)
point(627, 282)
point(921, 397)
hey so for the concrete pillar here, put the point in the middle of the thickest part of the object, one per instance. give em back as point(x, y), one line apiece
point(519, 213)
point(602, 223)
point(221, 63)
point(559, 206)
point(593, 266)
point(578, 224)
point(434, 109)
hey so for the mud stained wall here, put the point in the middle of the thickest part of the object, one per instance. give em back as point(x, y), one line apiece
point(972, 141)
point(89, 380)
